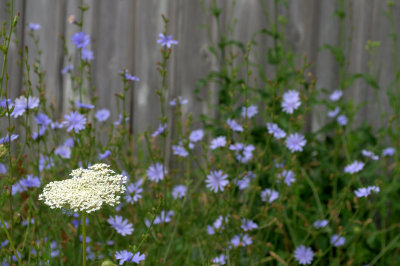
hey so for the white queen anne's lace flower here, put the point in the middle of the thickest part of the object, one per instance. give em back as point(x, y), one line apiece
point(86, 191)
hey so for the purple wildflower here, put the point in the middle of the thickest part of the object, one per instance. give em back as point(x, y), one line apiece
point(84, 105)
point(287, 176)
point(244, 182)
point(180, 150)
point(303, 255)
point(275, 131)
point(243, 153)
point(221, 259)
point(5, 139)
point(291, 101)
point(156, 172)
point(87, 55)
point(179, 191)
point(63, 151)
point(45, 163)
point(80, 39)
point(160, 129)
point(337, 240)
point(123, 256)
point(56, 125)
point(295, 142)
point(354, 167)
point(216, 180)
point(3, 169)
point(336, 95)
point(218, 224)
point(269, 194)
point(370, 154)
point(218, 142)
point(104, 155)
point(69, 142)
point(342, 120)
point(166, 40)
point(241, 240)
point(129, 76)
point(67, 69)
point(248, 225)
point(164, 217)
point(133, 192)
point(22, 104)
point(320, 223)
point(43, 120)
point(250, 111)
point(75, 121)
point(334, 113)
point(137, 258)
point(366, 191)
point(102, 115)
point(34, 26)
point(122, 226)
point(179, 100)
point(388, 151)
point(234, 125)
point(30, 181)
point(4, 102)
point(196, 135)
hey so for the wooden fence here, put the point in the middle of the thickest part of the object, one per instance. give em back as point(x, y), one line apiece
point(124, 34)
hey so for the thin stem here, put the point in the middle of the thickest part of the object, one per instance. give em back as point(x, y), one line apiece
point(10, 240)
point(83, 239)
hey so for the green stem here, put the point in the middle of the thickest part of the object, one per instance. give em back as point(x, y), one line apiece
point(83, 239)
point(10, 239)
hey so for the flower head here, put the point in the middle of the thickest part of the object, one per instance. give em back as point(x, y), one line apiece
point(336, 95)
point(234, 125)
point(102, 115)
point(164, 217)
point(269, 194)
point(123, 256)
point(388, 151)
point(342, 120)
point(303, 255)
point(366, 191)
point(218, 142)
point(287, 176)
point(137, 258)
point(291, 101)
point(274, 130)
point(179, 100)
point(87, 55)
point(370, 154)
point(22, 104)
point(75, 121)
point(34, 26)
point(160, 129)
point(86, 191)
point(334, 113)
point(196, 135)
point(295, 142)
point(80, 39)
point(320, 223)
point(166, 40)
point(84, 105)
point(67, 69)
point(337, 240)
point(133, 191)
point(241, 240)
point(221, 259)
point(122, 226)
point(179, 150)
point(250, 111)
point(179, 191)
point(63, 151)
point(216, 181)
point(104, 155)
point(156, 172)
point(354, 167)
point(248, 225)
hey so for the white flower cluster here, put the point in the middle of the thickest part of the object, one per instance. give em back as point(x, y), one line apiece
point(86, 191)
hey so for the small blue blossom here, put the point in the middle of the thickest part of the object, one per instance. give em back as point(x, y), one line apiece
point(166, 40)
point(3, 169)
point(22, 104)
point(248, 225)
point(221, 259)
point(217, 225)
point(69, 142)
point(303, 255)
point(80, 39)
point(287, 176)
point(160, 129)
point(366, 191)
point(123, 256)
point(5, 139)
point(43, 120)
point(241, 240)
point(75, 121)
point(337, 240)
point(196, 135)
point(178, 101)
point(388, 151)
point(63, 151)
point(122, 226)
point(218, 142)
point(179, 191)
point(34, 26)
point(234, 125)
point(244, 181)
point(156, 172)
point(342, 120)
point(269, 194)
point(129, 76)
point(334, 113)
point(216, 181)
point(30, 181)
point(295, 142)
point(274, 130)
point(336, 95)
point(370, 154)
point(4, 102)
point(320, 223)
point(104, 155)
point(67, 69)
point(87, 55)
point(179, 150)
point(250, 111)
point(164, 217)
point(102, 115)
point(291, 101)
point(354, 167)
point(243, 153)
point(84, 105)
point(137, 258)
point(133, 192)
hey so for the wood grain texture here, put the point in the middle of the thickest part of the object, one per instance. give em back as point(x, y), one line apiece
point(124, 34)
